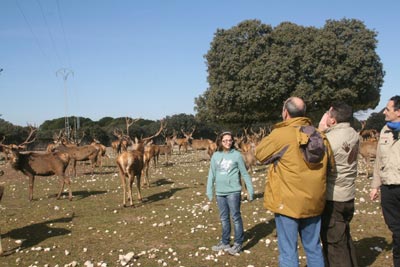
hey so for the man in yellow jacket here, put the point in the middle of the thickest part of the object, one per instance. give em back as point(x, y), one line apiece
point(295, 189)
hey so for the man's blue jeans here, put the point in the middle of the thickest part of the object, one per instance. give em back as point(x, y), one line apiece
point(309, 229)
point(230, 205)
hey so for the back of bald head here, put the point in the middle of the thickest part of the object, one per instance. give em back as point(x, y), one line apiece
point(295, 107)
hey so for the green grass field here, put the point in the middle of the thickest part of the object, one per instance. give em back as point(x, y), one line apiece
point(172, 227)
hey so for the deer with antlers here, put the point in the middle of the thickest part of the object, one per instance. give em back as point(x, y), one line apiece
point(182, 142)
point(34, 164)
point(130, 164)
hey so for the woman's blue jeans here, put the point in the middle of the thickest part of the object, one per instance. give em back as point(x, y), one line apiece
point(309, 229)
point(230, 205)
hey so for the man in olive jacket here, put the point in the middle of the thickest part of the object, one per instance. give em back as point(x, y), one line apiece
point(295, 190)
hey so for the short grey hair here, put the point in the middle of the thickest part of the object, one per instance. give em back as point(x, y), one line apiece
point(293, 108)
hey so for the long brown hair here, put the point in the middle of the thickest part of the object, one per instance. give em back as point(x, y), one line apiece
point(219, 140)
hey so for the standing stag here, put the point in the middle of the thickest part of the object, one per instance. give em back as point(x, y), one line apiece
point(182, 142)
point(39, 163)
point(130, 165)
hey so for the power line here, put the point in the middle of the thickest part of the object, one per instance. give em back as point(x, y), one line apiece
point(31, 30)
point(50, 34)
point(64, 35)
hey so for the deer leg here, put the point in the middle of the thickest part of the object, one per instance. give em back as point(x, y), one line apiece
point(68, 181)
point(130, 189)
point(147, 175)
point(62, 182)
point(138, 176)
point(123, 183)
point(31, 182)
point(155, 161)
point(93, 161)
point(74, 166)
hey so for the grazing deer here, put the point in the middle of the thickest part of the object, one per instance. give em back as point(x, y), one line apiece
point(34, 164)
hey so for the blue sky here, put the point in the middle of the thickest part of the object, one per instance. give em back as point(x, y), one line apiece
point(145, 58)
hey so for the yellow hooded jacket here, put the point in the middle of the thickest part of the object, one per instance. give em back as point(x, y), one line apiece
point(294, 188)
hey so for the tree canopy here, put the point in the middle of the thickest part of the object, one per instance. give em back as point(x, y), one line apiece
point(253, 68)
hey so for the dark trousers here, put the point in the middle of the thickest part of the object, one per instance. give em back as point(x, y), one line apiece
point(390, 201)
point(337, 243)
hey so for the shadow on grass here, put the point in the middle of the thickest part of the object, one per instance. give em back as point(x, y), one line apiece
point(162, 195)
point(367, 256)
point(258, 232)
point(162, 181)
point(34, 234)
point(258, 195)
point(80, 194)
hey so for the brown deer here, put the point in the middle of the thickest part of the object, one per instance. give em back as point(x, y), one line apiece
point(367, 149)
point(200, 144)
point(249, 157)
point(151, 151)
point(166, 150)
point(123, 141)
point(130, 164)
point(168, 147)
point(182, 142)
point(80, 153)
point(34, 164)
point(101, 151)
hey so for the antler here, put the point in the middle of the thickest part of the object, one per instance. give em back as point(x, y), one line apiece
point(193, 129)
point(29, 139)
point(162, 126)
point(117, 133)
point(129, 121)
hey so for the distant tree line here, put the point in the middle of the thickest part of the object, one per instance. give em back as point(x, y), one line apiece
point(103, 129)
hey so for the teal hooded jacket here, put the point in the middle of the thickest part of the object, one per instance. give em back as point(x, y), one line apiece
point(226, 168)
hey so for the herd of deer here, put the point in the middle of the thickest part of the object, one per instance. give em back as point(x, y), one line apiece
point(133, 156)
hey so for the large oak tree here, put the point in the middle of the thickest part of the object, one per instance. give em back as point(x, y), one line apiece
point(253, 68)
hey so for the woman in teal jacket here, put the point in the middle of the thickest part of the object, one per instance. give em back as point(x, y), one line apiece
point(226, 168)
